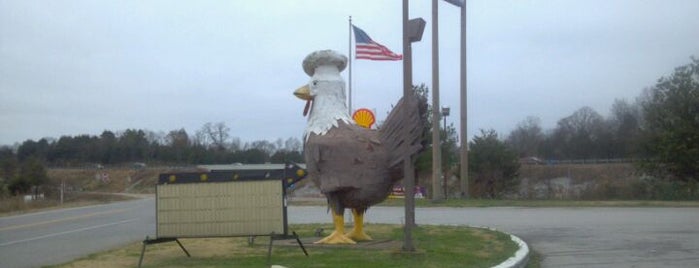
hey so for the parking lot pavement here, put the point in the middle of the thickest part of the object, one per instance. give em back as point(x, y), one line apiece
point(568, 237)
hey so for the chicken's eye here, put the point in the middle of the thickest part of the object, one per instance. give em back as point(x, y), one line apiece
point(315, 83)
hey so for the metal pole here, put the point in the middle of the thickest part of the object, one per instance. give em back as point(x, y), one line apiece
point(444, 181)
point(349, 52)
point(408, 169)
point(464, 120)
point(436, 148)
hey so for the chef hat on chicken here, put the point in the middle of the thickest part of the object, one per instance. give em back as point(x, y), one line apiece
point(324, 57)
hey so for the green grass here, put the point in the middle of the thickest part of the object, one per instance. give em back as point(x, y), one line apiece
point(534, 259)
point(437, 246)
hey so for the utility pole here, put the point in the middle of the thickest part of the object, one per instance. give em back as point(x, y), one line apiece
point(464, 108)
point(412, 32)
point(463, 105)
point(408, 169)
point(436, 144)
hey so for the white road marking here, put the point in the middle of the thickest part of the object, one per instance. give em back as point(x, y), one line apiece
point(26, 225)
point(62, 210)
point(66, 232)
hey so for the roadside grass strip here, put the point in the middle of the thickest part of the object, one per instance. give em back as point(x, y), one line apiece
point(436, 246)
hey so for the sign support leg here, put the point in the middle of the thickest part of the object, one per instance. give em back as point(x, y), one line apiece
point(149, 241)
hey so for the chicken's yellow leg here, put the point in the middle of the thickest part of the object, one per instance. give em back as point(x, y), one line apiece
point(357, 233)
point(337, 236)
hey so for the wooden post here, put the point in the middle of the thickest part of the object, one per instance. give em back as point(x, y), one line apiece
point(408, 170)
point(437, 194)
point(464, 119)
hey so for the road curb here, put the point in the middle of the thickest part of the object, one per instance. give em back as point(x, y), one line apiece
point(521, 257)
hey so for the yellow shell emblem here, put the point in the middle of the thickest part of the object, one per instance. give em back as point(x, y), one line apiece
point(364, 118)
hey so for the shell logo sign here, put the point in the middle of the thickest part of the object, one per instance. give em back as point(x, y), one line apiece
point(364, 118)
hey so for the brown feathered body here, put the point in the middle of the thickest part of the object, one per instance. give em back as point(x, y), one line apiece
point(357, 167)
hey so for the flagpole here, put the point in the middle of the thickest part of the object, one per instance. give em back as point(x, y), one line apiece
point(349, 52)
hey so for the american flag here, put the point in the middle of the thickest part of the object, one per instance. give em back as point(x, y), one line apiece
point(369, 50)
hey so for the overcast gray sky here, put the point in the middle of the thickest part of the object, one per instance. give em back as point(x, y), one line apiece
point(80, 67)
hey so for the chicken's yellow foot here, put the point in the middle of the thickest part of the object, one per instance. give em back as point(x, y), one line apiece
point(357, 233)
point(337, 236)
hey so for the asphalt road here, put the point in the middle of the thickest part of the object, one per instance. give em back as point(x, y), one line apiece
point(58, 236)
point(567, 237)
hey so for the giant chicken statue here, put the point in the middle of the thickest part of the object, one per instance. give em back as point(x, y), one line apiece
point(355, 167)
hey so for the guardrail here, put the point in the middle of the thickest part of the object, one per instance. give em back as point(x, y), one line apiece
point(578, 161)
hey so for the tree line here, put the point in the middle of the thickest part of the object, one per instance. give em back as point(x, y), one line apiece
point(585, 134)
point(659, 129)
point(211, 144)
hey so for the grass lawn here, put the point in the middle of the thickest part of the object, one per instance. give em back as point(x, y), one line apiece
point(437, 246)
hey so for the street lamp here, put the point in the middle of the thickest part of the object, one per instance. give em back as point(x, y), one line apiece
point(445, 113)
point(458, 3)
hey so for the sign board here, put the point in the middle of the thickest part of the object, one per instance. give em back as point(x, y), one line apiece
point(223, 203)
point(237, 201)
point(220, 209)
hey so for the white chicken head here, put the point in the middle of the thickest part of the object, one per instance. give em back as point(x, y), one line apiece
point(325, 91)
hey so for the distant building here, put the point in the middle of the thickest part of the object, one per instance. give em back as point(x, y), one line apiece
point(240, 166)
point(532, 160)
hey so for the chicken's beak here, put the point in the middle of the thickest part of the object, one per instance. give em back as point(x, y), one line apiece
point(304, 93)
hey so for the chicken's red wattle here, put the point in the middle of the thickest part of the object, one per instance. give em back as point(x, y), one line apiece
point(308, 106)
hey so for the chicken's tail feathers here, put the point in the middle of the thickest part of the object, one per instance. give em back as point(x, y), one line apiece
point(403, 132)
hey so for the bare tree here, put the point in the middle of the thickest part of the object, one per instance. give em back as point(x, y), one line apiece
point(234, 144)
point(293, 144)
point(200, 138)
point(527, 137)
point(155, 137)
point(624, 121)
point(580, 135)
point(262, 145)
point(216, 134)
point(177, 138)
point(279, 144)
